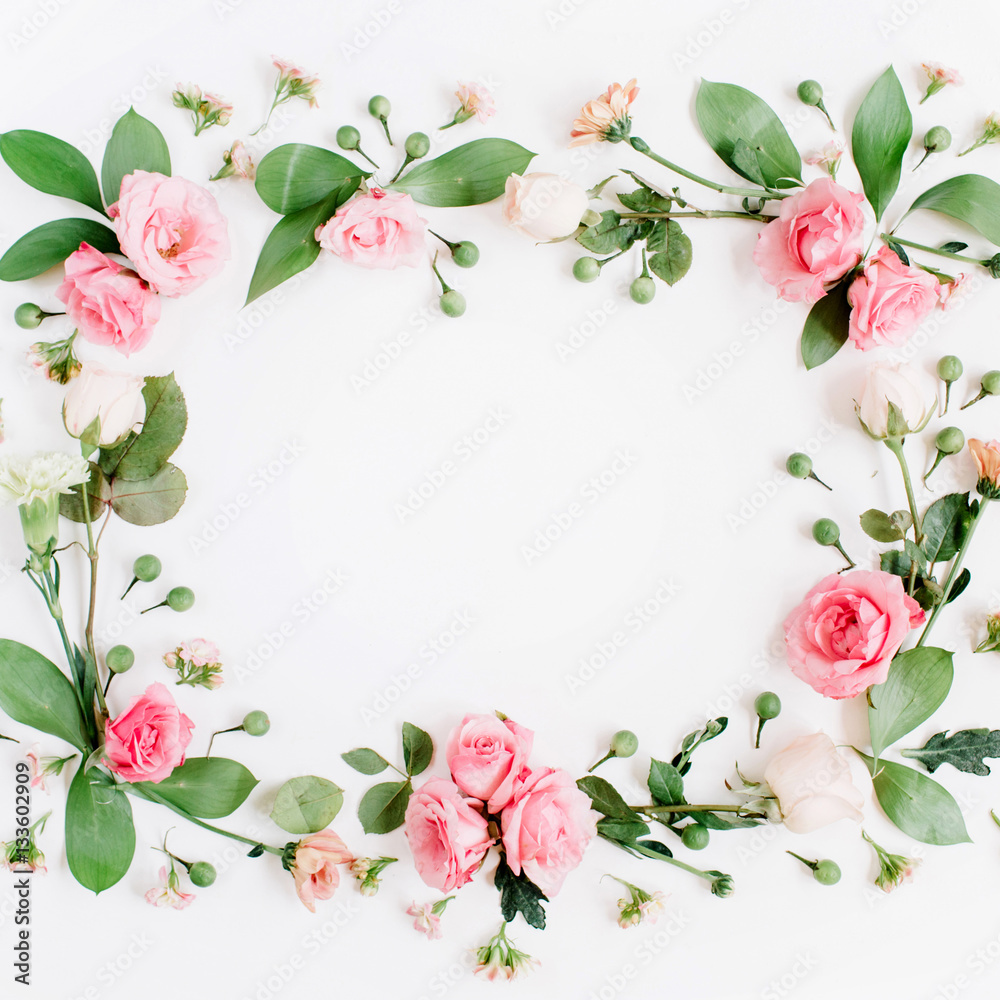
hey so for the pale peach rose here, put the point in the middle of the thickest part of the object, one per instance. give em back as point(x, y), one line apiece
point(543, 206)
point(987, 457)
point(113, 398)
point(606, 119)
point(315, 866)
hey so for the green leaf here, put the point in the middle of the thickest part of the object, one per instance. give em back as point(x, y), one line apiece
point(671, 250)
point(418, 749)
point(307, 804)
point(366, 761)
point(895, 562)
point(605, 798)
point(149, 501)
point(961, 582)
point(518, 894)
point(728, 114)
point(918, 683)
point(141, 456)
point(51, 165)
point(50, 244)
point(916, 554)
point(99, 492)
point(945, 525)
point(624, 831)
point(826, 327)
point(295, 176)
point(609, 235)
point(645, 200)
point(100, 837)
point(652, 849)
point(918, 805)
point(665, 783)
point(881, 133)
point(970, 198)
point(135, 144)
point(469, 175)
point(880, 526)
point(964, 750)
point(85, 681)
point(383, 807)
point(207, 787)
point(724, 821)
point(291, 246)
point(35, 692)
point(955, 246)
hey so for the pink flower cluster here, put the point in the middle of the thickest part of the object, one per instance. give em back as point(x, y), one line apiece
point(545, 822)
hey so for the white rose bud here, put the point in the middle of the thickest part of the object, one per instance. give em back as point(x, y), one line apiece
point(543, 206)
point(113, 398)
point(894, 402)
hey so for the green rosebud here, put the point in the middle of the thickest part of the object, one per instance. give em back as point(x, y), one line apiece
point(988, 386)
point(767, 705)
point(119, 659)
point(642, 290)
point(695, 837)
point(256, 723)
point(949, 441)
point(811, 93)
point(28, 316)
point(379, 107)
point(348, 137)
point(624, 743)
point(417, 144)
point(586, 269)
point(799, 465)
point(452, 303)
point(465, 253)
point(827, 532)
point(202, 874)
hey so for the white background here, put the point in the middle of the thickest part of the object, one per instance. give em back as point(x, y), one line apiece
point(285, 372)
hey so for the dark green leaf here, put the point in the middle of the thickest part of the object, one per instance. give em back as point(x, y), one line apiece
point(665, 783)
point(150, 501)
point(970, 198)
point(645, 200)
point(50, 244)
point(897, 249)
point(418, 749)
point(724, 821)
point(727, 114)
point(142, 455)
point(85, 681)
point(953, 247)
point(918, 805)
point(671, 250)
point(895, 562)
point(469, 175)
point(383, 807)
point(652, 849)
point(51, 165)
point(100, 837)
point(880, 526)
point(135, 144)
point(879, 139)
point(622, 830)
point(605, 798)
point(747, 163)
point(35, 692)
point(366, 761)
point(916, 554)
point(961, 582)
point(295, 176)
point(945, 525)
point(826, 327)
point(99, 491)
point(609, 235)
point(518, 894)
point(207, 787)
point(918, 683)
point(964, 750)
point(307, 804)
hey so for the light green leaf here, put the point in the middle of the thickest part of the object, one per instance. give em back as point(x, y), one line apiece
point(880, 526)
point(609, 235)
point(207, 787)
point(671, 251)
point(469, 175)
point(826, 327)
point(383, 807)
point(881, 134)
point(135, 144)
point(665, 783)
point(100, 837)
point(918, 683)
point(307, 804)
point(50, 244)
point(737, 125)
point(418, 749)
point(51, 165)
point(295, 176)
point(970, 198)
point(365, 760)
point(149, 501)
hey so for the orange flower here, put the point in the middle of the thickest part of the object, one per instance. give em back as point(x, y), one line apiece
point(314, 866)
point(607, 118)
point(987, 456)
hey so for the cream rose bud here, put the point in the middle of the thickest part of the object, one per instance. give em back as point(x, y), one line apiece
point(115, 398)
point(894, 402)
point(543, 206)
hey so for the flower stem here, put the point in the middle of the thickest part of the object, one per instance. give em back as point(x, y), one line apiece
point(698, 214)
point(92, 555)
point(885, 238)
point(895, 445)
point(687, 807)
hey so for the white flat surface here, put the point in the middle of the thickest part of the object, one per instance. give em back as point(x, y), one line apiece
point(277, 384)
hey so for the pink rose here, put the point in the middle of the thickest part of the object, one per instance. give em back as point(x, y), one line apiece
point(816, 239)
point(485, 755)
point(314, 866)
point(447, 834)
point(147, 741)
point(171, 230)
point(547, 827)
point(378, 230)
point(888, 301)
point(108, 303)
point(843, 636)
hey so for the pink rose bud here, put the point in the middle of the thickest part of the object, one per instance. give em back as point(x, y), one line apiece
point(485, 755)
point(377, 230)
point(113, 398)
point(147, 741)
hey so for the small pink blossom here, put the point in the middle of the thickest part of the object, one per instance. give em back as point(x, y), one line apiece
point(939, 77)
point(828, 157)
point(168, 893)
point(950, 293)
point(426, 920)
point(199, 651)
point(475, 100)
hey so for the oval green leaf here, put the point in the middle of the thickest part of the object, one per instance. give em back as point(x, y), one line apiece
point(665, 783)
point(383, 807)
point(747, 135)
point(469, 175)
point(295, 176)
point(671, 251)
point(51, 243)
point(207, 787)
point(418, 749)
point(365, 760)
point(970, 198)
point(51, 165)
point(307, 804)
point(826, 328)
point(100, 837)
point(135, 144)
point(149, 501)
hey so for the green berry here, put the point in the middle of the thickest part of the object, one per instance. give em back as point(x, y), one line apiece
point(826, 532)
point(119, 659)
point(465, 254)
point(991, 383)
point(202, 874)
point(767, 705)
point(348, 137)
point(949, 368)
point(28, 316)
point(950, 440)
point(417, 144)
point(642, 290)
point(827, 872)
point(180, 598)
point(256, 723)
point(146, 568)
point(586, 269)
point(810, 92)
point(453, 303)
point(624, 743)
point(695, 837)
point(379, 106)
point(937, 139)
point(799, 465)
